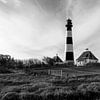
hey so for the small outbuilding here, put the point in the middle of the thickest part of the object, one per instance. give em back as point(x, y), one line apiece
point(85, 58)
point(57, 59)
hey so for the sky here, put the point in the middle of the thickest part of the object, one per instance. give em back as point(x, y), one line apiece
point(36, 28)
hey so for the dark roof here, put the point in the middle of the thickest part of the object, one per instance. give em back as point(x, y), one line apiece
point(86, 55)
point(57, 59)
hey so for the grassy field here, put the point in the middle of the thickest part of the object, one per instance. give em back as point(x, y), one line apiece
point(81, 84)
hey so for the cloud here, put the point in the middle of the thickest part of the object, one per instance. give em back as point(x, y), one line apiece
point(28, 34)
point(4, 1)
point(36, 28)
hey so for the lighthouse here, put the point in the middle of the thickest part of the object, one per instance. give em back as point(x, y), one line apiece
point(69, 54)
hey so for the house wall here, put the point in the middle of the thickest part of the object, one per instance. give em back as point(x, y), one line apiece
point(80, 63)
point(86, 61)
point(91, 61)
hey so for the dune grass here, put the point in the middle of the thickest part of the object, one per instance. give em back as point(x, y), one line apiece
point(19, 86)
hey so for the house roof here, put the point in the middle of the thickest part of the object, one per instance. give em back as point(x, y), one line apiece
point(86, 55)
point(57, 59)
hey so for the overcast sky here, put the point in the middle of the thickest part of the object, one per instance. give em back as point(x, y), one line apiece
point(36, 28)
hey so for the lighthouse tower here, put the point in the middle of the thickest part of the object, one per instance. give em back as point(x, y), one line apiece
point(69, 55)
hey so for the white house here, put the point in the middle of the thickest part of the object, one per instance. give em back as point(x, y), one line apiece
point(85, 58)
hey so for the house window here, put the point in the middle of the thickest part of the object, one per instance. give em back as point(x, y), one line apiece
point(87, 55)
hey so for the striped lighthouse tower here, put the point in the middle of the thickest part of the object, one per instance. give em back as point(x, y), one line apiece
point(69, 55)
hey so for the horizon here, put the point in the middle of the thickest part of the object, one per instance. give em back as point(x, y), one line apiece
point(35, 28)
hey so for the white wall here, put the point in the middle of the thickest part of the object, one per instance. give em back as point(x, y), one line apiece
point(86, 61)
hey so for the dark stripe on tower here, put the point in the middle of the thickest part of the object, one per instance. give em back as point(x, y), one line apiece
point(69, 56)
point(69, 40)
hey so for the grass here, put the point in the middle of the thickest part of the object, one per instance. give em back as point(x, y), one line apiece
point(80, 85)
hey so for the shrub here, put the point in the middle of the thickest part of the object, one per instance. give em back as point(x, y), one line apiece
point(11, 96)
point(29, 96)
point(89, 91)
point(82, 88)
point(94, 86)
point(4, 70)
point(8, 89)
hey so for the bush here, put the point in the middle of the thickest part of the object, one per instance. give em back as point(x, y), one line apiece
point(11, 96)
point(4, 70)
point(94, 87)
point(29, 96)
point(89, 90)
point(10, 89)
point(82, 88)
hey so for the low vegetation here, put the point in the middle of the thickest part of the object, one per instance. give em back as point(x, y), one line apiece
point(29, 80)
point(49, 88)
